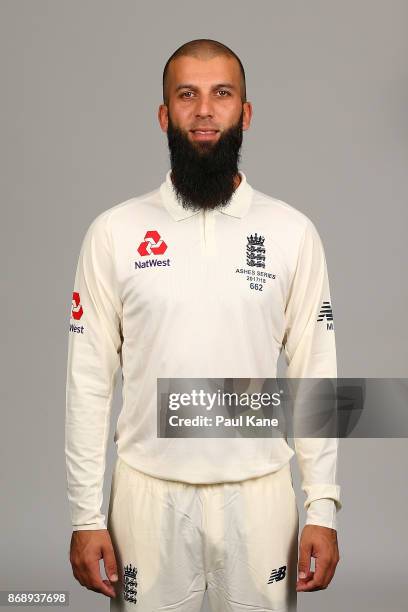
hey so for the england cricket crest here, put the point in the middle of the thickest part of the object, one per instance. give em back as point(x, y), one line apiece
point(255, 251)
point(130, 583)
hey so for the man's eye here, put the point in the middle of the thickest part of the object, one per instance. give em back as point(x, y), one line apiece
point(223, 91)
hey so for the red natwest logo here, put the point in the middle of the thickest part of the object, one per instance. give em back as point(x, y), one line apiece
point(152, 244)
point(77, 310)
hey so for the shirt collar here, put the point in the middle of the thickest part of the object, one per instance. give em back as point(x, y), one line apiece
point(238, 206)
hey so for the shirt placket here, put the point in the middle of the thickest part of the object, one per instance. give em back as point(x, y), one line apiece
point(207, 224)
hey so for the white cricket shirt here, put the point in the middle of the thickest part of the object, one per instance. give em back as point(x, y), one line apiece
point(161, 291)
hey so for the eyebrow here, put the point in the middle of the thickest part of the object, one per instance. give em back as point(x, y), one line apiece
point(190, 86)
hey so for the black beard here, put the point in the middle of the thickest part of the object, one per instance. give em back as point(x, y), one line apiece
point(203, 173)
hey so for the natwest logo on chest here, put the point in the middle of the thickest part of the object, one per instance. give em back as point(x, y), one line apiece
point(153, 244)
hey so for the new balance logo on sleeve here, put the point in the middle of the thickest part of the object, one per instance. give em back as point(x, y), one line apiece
point(326, 312)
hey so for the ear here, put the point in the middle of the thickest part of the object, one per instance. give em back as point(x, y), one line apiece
point(247, 115)
point(163, 117)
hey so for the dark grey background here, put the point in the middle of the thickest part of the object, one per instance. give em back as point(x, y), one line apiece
point(81, 85)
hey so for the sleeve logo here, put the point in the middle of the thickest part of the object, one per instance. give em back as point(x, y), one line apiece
point(76, 310)
point(326, 312)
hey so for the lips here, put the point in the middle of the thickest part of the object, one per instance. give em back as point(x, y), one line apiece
point(204, 131)
point(204, 135)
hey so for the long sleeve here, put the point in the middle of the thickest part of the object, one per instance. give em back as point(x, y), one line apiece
point(94, 357)
point(310, 351)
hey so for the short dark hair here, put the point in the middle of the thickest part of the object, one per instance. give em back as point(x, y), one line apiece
point(202, 48)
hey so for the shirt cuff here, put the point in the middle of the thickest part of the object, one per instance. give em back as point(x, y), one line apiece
point(322, 512)
point(92, 527)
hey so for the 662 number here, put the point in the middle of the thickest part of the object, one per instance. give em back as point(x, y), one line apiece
point(257, 286)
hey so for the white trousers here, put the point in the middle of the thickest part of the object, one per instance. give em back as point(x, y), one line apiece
point(174, 540)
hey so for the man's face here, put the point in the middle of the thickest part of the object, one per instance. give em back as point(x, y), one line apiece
point(204, 122)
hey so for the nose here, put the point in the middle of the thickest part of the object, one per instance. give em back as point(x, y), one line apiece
point(204, 107)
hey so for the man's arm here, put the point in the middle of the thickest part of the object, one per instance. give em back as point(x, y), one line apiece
point(94, 357)
point(310, 351)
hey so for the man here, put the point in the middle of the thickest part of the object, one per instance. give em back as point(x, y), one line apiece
point(202, 277)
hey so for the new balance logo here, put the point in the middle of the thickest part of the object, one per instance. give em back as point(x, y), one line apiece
point(277, 574)
point(326, 312)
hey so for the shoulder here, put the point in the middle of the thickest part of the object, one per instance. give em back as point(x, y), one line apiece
point(123, 213)
point(285, 219)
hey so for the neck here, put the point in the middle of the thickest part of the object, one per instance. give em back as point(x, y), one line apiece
point(237, 180)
